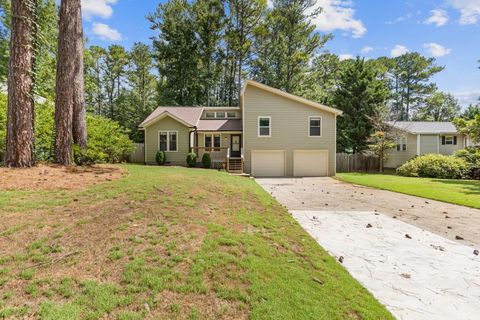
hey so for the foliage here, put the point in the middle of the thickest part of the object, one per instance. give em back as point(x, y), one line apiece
point(192, 159)
point(472, 156)
point(439, 106)
point(160, 158)
point(470, 128)
point(207, 160)
point(380, 143)
point(434, 166)
point(410, 82)
point(470, 112)
point(108, 142)
point(359, 94)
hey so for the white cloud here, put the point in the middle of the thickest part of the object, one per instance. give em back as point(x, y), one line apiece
point(438, 17)
point(338, 15)
point(398, 51)
point(366, 50)
point(437, 50)
point(406, 17)
point(105, 32)
point(97, 8)
point(469, 10)
point(345, 57)
point(466, 97)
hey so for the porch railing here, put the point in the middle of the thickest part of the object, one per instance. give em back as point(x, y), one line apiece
point(216, 154)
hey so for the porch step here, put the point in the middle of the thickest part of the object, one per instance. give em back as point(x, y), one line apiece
point(235, 165)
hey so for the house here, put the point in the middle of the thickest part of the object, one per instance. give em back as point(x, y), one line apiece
point(419, 138)
point(271, 134)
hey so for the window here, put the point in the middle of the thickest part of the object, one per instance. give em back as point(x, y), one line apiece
point(449, 140)
point(402, 144)
point(220, 115)
point(213, 141)
point(210, 115)
point(167, 141)
point(264, 126)
point(231, 114)
point(315, 127)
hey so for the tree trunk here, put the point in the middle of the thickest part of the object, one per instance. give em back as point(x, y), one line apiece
point(79, 129)
point(19, 142)
point(66, 79)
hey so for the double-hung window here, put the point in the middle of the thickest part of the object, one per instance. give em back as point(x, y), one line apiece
point(167, 141)
point(449, 140)
point(213, 141)
point(402, 144)
point(264, 126)
point(315, 126)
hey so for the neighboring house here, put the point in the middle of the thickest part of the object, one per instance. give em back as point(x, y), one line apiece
point(272, 133)
point(419, 138)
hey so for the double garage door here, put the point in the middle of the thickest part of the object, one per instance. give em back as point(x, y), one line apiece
point(306, 163)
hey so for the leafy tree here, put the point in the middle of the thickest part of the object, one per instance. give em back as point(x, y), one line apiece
point(322, 78)
point(471, 112)
point(410, 82)
point(380, 142)
point(470, 128)
point(285, 44)
point(360, 94)
point(94, 81)
point(115, 69)
point(438, 107)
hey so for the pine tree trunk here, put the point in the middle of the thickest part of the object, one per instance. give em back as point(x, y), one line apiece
point(66, 79)
point(19, 143)
point(79, 129)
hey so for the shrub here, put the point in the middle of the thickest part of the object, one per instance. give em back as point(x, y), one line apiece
point(207, 160)
point(435, 166)
point(192, 159)
point(161, 158)
point(472, 156)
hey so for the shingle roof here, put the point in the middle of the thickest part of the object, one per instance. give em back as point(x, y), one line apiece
point(190, 115)
point(422, 127)
point(220, 125)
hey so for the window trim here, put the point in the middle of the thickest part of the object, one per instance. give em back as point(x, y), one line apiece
point(447, 137)
point(399, 141)
point(168, 139)
point(321, 126)
point(212, 136)
point(269, 127)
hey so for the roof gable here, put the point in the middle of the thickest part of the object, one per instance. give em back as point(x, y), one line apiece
point(189, 116)
point(290, 96)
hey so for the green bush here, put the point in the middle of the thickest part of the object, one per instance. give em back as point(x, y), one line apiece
point(207, 160)
point(192, 159)
point(435, 166)
point(472, 156)
point(161, 158)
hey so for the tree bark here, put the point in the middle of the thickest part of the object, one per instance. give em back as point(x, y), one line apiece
point(79, 129)
point(19, 142)
point(70, 112)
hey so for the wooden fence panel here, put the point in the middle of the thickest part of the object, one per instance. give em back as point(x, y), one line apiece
point(357, 163)
point(138, 155)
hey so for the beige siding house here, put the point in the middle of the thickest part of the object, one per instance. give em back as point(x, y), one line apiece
point(271, 133)
point(419, 138)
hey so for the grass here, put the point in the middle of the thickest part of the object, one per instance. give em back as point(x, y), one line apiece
point(461, 192)
point(168, 243)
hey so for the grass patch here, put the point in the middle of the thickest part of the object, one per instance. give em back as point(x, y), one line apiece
point(166, 243)
point(461, 192)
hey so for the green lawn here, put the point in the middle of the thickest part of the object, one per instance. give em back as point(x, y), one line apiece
point(462, 192)
point(167, 243)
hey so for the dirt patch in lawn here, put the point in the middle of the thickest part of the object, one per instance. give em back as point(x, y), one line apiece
point(50, 177)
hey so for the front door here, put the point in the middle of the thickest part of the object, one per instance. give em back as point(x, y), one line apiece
point(236, 146)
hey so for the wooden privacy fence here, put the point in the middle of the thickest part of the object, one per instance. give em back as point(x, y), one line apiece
point(357, 163)
point(138, 155)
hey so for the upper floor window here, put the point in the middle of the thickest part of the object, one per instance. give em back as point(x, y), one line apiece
point(402, 144)
point(209, 115)
point(315, 127)
point(449, 140)
point(231, 115)
point(264, 126)
point(220, 115)
point(167, 141)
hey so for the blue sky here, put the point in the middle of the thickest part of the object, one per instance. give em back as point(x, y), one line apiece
point(446, 29)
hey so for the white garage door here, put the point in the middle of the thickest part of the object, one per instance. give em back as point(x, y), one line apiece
point(310, 163)
point(266, 163)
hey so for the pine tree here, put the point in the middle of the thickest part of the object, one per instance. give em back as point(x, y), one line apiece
point(360, 95)
point(439, 106)
point(20, 134)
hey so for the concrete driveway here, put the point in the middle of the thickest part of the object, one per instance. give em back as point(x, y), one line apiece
point(406, 250)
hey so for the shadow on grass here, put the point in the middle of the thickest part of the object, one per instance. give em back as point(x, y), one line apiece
point(467, 186)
